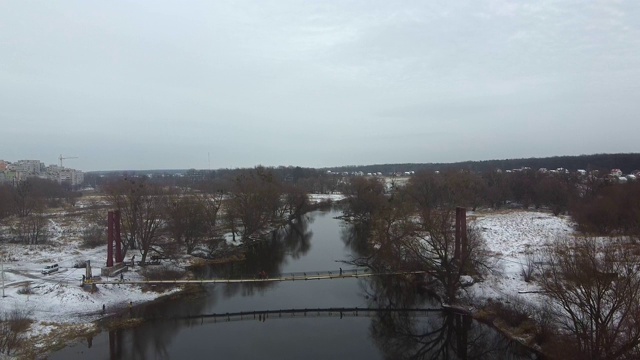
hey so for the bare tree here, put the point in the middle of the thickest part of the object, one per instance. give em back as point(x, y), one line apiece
point(413, 228)
point(554, 192)
point(141, 205)
point(13, 326)
point(6, 206)
point(528, 268)
point(193, 218)
point(365, 199)
point(597, 293)
point(296, 203)
point(255, 202)
point(24, 200)
point(32, 229)
point(434, 247)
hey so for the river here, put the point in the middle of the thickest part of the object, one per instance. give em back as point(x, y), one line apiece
point(317, 243)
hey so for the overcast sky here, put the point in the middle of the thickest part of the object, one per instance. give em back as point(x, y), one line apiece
point(159, 84)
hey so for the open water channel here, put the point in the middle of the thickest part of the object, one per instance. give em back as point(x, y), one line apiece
point(319, 242)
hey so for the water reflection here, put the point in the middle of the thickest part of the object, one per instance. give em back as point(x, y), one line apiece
point(444, 335)
point(267, 255)
point(356, 236)
point(151, 339)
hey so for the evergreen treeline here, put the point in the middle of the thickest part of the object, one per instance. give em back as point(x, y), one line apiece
point(625, 162)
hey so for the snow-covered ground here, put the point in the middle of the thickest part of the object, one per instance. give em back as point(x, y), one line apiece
point(510, 235)
point(316, 198)
point(57, 299)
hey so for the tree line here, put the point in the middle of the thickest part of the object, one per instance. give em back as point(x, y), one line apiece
point(165, 220)
point(311, 180)
point(410, 229)
point(27, 203)
point(627, 162)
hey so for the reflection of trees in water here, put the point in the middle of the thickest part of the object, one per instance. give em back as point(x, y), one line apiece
point(148, 340)
point(356, 237)
point(444, 335)
point(297, 236)
point(269, 254)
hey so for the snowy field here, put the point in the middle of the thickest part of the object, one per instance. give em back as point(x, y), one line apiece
point(57, 301)
point(316, 198)
point(510, 235)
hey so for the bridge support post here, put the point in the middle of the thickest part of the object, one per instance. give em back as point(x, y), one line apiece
point(110, 239)
point(116, 220)
point(461, 246)
point(463, 230)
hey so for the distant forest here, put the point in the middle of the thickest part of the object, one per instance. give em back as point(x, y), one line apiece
point(625, 162)
point(603, 162)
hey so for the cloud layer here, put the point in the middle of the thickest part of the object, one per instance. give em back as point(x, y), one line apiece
point(159, 84)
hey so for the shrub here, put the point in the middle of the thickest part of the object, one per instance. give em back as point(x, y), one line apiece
point(93, 236)
point(528, 268)
point(12, 328)
point(513, 313)
point(162, 273)
point(26, 290)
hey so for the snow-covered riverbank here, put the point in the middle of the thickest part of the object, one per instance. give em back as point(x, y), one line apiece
point(510, 236)
point(55, 302)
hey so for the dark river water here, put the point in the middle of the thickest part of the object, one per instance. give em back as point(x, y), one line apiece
point(317, 243)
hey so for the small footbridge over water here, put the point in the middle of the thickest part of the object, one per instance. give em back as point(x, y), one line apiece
point(313, 313)
point(263, 277)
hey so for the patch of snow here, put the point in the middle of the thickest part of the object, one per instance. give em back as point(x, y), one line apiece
point(57, 298)
point(466, 280)
point(316, 198)
point(510, 236)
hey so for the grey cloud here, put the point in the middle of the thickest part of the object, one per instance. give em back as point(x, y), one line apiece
point(316, 84)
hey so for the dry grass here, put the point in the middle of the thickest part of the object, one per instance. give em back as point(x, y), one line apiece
point(58, 336)
point(13, 327)
point(512, 319)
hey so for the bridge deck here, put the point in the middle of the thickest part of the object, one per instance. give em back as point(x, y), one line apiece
point(299, 277)
point(319, 312)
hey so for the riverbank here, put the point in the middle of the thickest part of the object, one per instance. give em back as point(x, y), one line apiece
point(504, 299)
point(54, 307)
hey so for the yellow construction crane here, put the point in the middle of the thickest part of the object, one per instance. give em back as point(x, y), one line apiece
point(65, 158)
